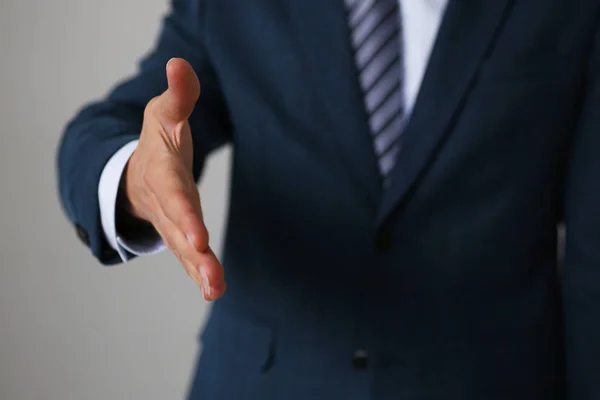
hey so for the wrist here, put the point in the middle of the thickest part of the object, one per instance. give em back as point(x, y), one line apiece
point(127, 201)
point(127, 219)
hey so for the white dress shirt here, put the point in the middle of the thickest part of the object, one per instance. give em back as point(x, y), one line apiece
point(420, 22)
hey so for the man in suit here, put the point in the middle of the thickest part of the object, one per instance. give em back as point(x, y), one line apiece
point(399, 171)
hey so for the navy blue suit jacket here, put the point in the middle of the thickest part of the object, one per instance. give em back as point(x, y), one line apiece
point(445, 285)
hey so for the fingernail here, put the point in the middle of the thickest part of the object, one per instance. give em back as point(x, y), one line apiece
point(205, 284)
point(169, 62)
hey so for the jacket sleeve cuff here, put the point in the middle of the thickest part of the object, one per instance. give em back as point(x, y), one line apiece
point(146, 243)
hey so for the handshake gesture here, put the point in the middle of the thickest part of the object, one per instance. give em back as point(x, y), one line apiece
point(159, 186)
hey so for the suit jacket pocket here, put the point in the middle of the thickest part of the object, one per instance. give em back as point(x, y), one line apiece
point(237, 341)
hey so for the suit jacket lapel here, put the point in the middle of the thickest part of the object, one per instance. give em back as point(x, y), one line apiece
point(322, 34)
point(468, 30)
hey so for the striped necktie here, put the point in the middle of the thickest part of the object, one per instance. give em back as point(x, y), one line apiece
point(376, 36)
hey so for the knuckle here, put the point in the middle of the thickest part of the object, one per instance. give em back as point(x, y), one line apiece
point(199, 240)
point(205, 236)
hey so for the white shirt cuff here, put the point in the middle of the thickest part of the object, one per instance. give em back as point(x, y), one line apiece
point(107, 196)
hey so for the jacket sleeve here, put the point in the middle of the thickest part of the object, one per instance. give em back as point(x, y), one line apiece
point(100, 129)
point(581, 270)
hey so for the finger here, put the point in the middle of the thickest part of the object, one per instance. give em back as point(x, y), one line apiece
point(204, 268)
point(211, 275)
point(218, 290)
point(211, 268)
point(184, 147)
point(177, 197)
point(192, 272)
point(179, 246)
point(178, 101)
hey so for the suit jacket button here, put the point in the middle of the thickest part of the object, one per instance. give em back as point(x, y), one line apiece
point(82, 235)
point(383, 241)
point(360, 360)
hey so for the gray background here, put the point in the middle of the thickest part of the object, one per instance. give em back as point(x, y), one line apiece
point(70, 328)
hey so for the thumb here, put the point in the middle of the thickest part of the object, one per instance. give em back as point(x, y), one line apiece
point(178, 101)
